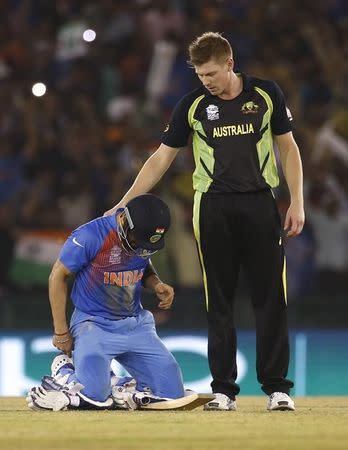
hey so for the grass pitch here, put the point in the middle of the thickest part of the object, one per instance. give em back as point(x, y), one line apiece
point(318, 423)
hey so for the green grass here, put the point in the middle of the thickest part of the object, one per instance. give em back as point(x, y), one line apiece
point(318, 423)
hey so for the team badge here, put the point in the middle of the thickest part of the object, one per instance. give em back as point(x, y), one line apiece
point(212, 112)
point(155, 238)
point(250, 108)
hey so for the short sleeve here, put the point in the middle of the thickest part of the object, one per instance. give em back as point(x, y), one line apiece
point(281, 121)
point(177, 131)
point(78, 250)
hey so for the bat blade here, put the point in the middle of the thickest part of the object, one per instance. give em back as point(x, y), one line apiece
point(187, 403)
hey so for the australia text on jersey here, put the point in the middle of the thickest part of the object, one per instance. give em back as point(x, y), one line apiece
point(233, 130)
point(125, 278)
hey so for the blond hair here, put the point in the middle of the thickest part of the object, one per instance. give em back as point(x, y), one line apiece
point(208, 46)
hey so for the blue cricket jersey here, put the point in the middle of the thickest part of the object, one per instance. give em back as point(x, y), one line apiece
point(108, 279)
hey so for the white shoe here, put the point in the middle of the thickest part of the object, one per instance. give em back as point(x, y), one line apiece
point(221, 403)
point(279, 401)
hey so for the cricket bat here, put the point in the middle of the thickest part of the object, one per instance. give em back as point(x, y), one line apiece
point(187, 403)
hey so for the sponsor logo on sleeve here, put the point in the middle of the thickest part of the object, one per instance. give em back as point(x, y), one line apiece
point(77, 243)
point(288, 112)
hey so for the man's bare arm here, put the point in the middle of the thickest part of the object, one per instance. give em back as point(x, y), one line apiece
point(164, 292)
point(58, 292)
point(292, 168)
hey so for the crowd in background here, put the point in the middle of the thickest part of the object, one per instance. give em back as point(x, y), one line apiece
point(69, 155)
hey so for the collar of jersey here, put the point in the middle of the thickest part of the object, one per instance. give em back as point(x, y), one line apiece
point(247, 81)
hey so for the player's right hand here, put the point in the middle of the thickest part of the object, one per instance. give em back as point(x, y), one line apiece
point(294, 220)
point(63, 343)
point(110, 212)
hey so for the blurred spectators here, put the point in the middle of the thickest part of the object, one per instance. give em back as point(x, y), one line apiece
point(70, 154)
point(329, 220)
point(7, 243)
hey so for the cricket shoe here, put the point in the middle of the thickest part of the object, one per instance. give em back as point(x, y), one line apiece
point(221, 403)
point(52, 396)
point(279, 401)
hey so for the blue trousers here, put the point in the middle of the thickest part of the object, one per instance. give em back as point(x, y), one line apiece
point(134, 343)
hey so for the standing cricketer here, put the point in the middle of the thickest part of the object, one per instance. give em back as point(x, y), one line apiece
point(233, 119)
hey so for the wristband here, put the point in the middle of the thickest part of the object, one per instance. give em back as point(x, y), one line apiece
point(63, 341)
point(61, 334)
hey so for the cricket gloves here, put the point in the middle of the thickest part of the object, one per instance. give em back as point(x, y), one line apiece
point(52, 396)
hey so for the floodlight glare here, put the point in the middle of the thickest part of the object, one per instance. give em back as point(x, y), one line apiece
point(89, 35)
point(38, 89)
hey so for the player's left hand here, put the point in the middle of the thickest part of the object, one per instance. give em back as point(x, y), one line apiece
point(166, 295)
point(294, 220)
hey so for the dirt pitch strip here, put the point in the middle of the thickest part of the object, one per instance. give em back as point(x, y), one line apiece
point(319, 423)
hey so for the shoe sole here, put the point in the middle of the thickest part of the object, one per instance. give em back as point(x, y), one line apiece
point(282, 408)
point(187, 403)
point(216, 408)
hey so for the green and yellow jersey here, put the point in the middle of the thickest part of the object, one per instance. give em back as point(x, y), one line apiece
point(232, 139)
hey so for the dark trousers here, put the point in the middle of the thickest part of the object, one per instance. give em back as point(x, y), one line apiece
point(237, 230)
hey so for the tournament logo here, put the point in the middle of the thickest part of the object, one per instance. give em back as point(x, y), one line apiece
point(212, 112)
point(250, 108)
point(115, 255)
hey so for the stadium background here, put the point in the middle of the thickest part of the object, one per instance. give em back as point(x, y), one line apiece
point(70, 154)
